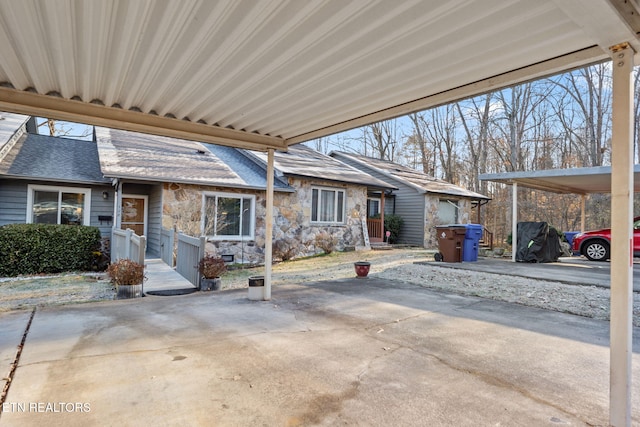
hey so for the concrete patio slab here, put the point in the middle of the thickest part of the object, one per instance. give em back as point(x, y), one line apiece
point(350, 352)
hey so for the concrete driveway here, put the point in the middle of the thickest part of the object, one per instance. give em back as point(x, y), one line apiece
point(350, 352)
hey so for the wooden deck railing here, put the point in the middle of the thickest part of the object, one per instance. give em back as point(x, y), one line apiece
point(487, 238)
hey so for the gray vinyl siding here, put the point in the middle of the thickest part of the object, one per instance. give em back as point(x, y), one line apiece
point(102, 207)
point(13, 202)
point(154, 227)
point(410, 205)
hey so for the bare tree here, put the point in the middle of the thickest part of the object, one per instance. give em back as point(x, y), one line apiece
point(517, 105)
point(418, 140)
point(64, 129)
point(474, 116)
point(583, 105)
point(441, 129)
point(381, 140)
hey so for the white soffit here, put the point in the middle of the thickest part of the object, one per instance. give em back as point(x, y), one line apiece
point(270, 73)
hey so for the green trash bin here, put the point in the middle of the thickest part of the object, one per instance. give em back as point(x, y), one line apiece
point(450, 242)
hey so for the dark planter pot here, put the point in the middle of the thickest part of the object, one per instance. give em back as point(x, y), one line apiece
point(256, 281)
point(210, 284)
point(129, 291)
point(362, 269)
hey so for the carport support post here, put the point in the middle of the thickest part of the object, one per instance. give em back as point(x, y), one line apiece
point(621, 237)
point(583, 202)
point(268, 235)
point(514, 220)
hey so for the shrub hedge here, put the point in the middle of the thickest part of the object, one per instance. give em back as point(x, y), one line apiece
point(393, 223)
point(46, 248)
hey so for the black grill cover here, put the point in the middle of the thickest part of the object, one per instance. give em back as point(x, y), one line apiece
point(537, 242)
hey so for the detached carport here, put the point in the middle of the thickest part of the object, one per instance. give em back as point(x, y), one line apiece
point(583, 181)
point(265, 75)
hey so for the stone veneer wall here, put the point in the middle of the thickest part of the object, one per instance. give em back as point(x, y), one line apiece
point(432, 204)
point(182, 210)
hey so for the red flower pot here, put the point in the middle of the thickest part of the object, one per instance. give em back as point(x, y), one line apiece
point(362, 268)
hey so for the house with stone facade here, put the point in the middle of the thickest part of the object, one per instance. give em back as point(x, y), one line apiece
point(220, 192)
point(422, 201)
point(149, 183)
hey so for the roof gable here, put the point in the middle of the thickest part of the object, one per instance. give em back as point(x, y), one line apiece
point(44, 157)
point(303, 161)
point(11, 127)
point(411, 177)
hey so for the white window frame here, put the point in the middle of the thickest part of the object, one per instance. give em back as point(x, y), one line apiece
point(32, 188)
point(251, 213)
point(335, 210)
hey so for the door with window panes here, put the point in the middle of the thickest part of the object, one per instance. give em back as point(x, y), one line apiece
point(134, 213)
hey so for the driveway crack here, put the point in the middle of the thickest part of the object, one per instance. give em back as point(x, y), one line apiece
point(14, 364)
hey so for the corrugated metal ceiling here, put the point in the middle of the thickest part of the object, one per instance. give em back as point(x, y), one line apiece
point(270, 73)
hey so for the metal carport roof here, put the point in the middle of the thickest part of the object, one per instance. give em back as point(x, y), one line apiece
point(267, 74)
point(564, 181)
point(271, 73)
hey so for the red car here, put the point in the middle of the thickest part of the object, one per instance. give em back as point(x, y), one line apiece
point(596, 245)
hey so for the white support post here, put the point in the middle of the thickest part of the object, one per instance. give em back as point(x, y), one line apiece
point(514, 221)
point(583, 202)
point(268, 239)
point(621, 237)
point(117, 207)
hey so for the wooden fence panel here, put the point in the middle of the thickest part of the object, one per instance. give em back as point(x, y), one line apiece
point(166, 246)
point(190, 252)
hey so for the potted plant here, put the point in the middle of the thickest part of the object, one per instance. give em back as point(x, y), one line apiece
point(362, 268)
point(211, 267)
point(128, 276)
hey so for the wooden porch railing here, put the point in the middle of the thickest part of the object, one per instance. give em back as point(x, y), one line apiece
point(127, 244)
point(375, 228)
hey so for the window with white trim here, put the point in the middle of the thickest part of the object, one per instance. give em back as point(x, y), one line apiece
point(58, 205)
point(448, 211)
point(229, 216)
point(327, 205)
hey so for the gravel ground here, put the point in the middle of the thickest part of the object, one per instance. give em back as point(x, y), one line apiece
point(398, 266)
point(588, 301)
point(395, 265)
point(36, 291)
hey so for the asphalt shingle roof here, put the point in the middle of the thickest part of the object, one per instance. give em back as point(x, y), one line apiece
point(133, 155)
point(304, 161)
point(412, 177)
point(53, 158)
